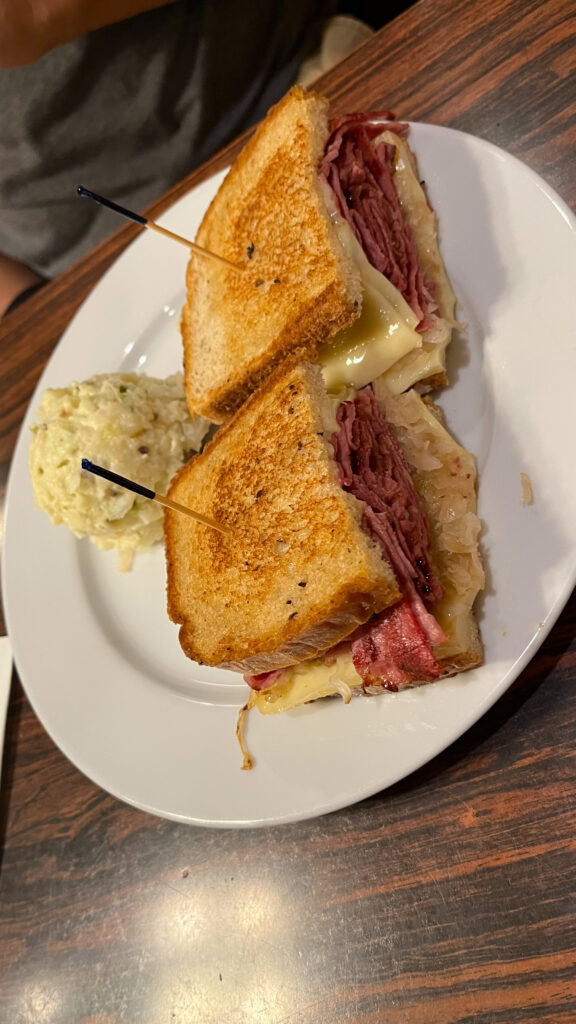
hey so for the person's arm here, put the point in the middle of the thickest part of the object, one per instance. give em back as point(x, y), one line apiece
point(15, 278)
point(29, 28)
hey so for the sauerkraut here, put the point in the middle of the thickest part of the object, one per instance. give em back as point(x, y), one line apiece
point(135, 425)
point(445, 475)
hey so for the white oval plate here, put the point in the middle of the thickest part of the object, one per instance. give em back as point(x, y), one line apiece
point(96, 653)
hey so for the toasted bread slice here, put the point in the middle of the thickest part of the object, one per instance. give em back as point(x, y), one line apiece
point(299, 573)
point(298, 287)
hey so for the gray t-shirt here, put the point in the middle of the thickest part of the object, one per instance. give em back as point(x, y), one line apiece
point(131, 109)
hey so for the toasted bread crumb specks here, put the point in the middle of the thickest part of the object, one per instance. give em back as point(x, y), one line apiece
point(271, 477)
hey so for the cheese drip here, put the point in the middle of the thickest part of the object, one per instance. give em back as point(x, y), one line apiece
point(422, 364)
point(308, 681)
point(383, 334)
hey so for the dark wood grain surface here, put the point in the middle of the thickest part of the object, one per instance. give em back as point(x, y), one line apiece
point(449, 899)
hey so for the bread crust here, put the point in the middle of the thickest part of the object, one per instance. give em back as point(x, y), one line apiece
point(299, 573)
point(298, 287)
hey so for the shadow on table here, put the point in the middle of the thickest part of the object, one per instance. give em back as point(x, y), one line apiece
point(9, 756)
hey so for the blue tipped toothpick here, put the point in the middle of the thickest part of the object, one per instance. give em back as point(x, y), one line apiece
point(139, 219)
point(145, 492)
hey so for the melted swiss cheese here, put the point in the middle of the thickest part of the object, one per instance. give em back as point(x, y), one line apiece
point(384, 340)
point(310, 680)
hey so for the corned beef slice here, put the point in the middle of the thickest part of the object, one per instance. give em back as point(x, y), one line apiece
point(394, 650)
point(360, 175)
point(264, 679)
point(373, 469)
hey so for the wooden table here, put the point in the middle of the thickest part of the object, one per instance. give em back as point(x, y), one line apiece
point(449, 898)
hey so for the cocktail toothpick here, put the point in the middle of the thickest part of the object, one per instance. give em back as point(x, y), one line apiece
point(139, 219)
point(146, 492)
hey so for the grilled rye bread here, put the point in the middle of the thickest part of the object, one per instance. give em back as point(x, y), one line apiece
point(298, 573)
point(298, 286)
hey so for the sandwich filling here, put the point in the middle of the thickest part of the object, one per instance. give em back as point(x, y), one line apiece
point(371, 181)
point(396, 646)
point(359, 167)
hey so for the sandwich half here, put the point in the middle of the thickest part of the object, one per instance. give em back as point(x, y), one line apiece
point(340, 262)
point(353, 562)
